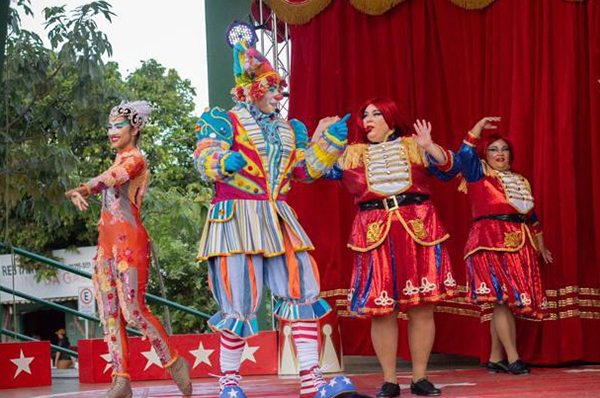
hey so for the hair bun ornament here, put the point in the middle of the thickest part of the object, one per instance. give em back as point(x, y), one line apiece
point(137, 112)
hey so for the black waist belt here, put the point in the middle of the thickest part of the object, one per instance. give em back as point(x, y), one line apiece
point(516, 218)
point(393, 202)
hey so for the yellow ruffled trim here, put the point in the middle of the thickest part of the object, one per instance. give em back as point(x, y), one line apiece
point(334, 139)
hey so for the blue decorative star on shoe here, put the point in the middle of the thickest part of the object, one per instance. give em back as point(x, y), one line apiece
point(337, 387)
point(232, 392)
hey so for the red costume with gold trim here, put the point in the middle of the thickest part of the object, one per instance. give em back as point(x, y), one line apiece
point(400, 258)
point(500, 254)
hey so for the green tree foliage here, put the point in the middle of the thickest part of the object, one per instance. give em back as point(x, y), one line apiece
point(54, 109)
point(174, 218)
point(51, 97)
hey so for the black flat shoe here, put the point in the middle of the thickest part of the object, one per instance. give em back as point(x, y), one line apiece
point(518, 368)
point(497, 367)
point(424, 387)
point(389, 390)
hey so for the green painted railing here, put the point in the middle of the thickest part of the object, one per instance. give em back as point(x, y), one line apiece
point(58, 307)
point(64, 267)
point(27, 338)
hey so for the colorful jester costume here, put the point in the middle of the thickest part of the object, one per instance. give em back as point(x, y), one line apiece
point(252, 237)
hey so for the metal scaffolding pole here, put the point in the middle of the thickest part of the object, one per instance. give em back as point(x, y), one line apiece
point(276, 47)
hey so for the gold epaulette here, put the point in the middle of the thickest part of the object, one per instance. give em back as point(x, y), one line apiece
point(416, 154)
point(353, 156)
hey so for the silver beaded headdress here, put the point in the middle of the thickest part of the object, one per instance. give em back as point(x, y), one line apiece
point(137, 112)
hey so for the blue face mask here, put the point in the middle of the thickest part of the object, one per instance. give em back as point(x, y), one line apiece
point(114, 127)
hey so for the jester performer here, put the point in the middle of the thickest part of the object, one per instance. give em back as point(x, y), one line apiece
point(122, 262)
point(505, 240)
point(252, 236)
point(400, 257)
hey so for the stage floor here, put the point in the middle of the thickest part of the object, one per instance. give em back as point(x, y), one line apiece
point(575, 382)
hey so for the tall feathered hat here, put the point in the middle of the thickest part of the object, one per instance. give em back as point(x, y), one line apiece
point(253, 74)
point(137, 112)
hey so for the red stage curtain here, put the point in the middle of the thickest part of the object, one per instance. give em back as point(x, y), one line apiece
point(535, 64)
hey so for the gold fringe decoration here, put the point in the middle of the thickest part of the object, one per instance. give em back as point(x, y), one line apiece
point(375, 7)
point(416, 154)
point(472, 4)
point(296, 13)
point(302, 12)
point(353, 156)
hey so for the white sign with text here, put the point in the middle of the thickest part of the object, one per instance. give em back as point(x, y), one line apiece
point(64, 285)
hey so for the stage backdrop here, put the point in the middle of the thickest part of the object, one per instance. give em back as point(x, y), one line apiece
point(534, 63)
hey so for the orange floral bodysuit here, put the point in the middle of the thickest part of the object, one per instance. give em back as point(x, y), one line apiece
point(121, 265)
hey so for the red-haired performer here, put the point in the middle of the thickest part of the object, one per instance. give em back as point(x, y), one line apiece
point(122, 263)
point(500, 254)
point(400, 259)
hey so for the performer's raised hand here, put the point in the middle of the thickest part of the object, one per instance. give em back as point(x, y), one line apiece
point(77, 199)
point(323, 125)
point(487, 123)
point(234, 161)
point(340, 128)
point(423, 134)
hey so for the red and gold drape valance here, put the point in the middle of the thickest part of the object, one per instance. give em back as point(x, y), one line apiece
point(297, 12)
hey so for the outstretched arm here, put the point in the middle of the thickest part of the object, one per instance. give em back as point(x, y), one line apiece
point(318, 158)
point(470, 163)
point(442, 162)
point(423, 138)
point(129, 166)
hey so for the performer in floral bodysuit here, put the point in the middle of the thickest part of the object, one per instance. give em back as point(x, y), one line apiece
point(122, 262)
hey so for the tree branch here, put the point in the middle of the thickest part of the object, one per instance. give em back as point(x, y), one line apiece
point(31, 103)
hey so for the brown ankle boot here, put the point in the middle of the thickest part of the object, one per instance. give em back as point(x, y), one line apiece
point(180, 372)
point(121, 388)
